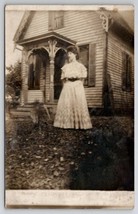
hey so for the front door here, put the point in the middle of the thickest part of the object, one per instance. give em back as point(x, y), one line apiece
point(59, 62)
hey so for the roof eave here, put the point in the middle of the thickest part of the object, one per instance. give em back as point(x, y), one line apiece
point(25, 19)
point(45, 37)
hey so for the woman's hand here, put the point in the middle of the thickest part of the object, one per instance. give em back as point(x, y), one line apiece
point(64, 80)
point(82, 79)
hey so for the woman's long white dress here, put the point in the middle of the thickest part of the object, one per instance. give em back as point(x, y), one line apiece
point(72, 111)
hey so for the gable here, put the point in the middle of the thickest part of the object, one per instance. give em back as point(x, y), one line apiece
point(78, 25)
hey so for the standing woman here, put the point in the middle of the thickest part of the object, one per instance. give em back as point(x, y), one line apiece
point(72, 111)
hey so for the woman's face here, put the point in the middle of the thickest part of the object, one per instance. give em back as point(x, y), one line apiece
point(71, 56)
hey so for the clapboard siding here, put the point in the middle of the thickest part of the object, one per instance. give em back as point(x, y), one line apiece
point(78, 25)
point(115, 49)
point(35, 95)
point(94, 96)
point(38, 25)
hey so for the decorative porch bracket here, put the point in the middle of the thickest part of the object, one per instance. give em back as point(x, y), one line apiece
point(106, 21)
point(52, 49)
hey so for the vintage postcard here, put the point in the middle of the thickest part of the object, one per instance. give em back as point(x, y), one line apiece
point(69, 106)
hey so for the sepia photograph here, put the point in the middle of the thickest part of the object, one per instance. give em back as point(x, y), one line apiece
point(69, 106)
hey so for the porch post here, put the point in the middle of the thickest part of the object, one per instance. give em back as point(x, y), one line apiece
point(51, 97)
point(52, 52)
point(24, 78)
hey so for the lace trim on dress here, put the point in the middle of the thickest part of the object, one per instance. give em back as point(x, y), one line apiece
point(74, 70)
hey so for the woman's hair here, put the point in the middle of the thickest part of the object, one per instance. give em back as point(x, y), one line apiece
point(73, 49)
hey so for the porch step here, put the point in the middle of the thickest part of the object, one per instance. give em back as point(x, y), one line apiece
point(24, 112)
point(25, 108)
point(19, 114)
point(21, 118)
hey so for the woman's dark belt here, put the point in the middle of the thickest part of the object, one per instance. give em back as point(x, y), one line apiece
point(73, 79)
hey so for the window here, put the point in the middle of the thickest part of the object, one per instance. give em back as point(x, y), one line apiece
point(56, 20)
point(126, 71)
point(87, 58)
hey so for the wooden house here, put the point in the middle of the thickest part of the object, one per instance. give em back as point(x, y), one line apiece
point(106, 44)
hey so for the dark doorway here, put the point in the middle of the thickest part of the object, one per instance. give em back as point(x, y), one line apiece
point(34, 72)
point(60, 59)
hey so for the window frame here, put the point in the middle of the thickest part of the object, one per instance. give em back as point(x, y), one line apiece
point(91, 74)
point(126, 72)
point(87, 67)
point(53, 16)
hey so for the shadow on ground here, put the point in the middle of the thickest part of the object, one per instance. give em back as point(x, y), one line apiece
point(104, 162)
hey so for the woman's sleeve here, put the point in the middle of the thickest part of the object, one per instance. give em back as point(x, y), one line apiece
point(83, 71)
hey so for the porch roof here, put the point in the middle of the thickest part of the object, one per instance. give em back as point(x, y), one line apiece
point(50, 35)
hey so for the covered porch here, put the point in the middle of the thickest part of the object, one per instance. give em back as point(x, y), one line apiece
point(44, 61)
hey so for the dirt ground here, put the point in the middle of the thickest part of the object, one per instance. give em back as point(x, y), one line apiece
point(44, 157)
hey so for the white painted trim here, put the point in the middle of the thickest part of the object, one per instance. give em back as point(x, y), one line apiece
point(69, 7)
point(69, 198)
